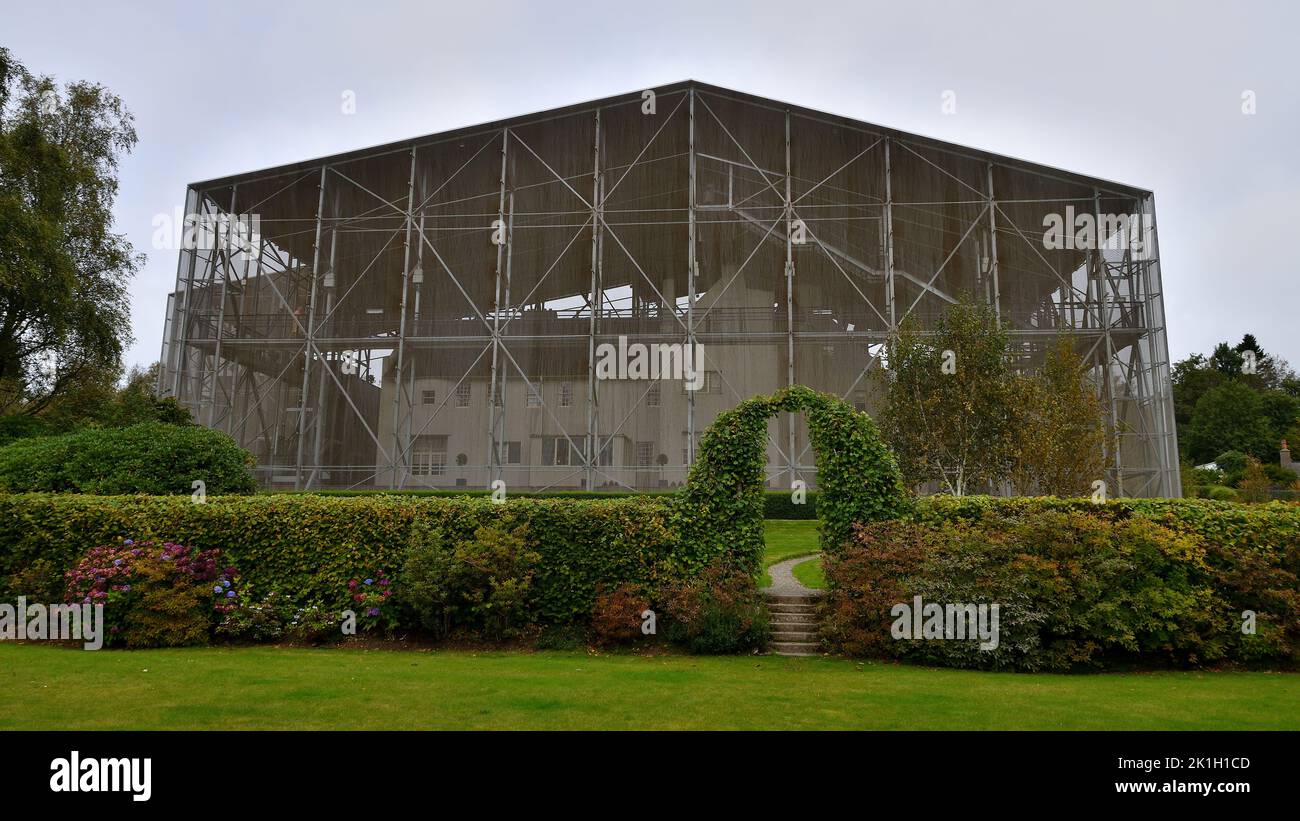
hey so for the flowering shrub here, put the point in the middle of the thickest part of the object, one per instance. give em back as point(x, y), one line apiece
point(312, 624)
point(154, 594)
point(372, 598)
point(253, 619)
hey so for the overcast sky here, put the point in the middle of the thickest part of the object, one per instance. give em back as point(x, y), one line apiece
point(1147, 93)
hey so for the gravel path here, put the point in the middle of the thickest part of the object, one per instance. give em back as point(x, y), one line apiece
point(783, 581)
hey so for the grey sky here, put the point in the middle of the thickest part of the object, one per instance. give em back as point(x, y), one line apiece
point(1148, 93)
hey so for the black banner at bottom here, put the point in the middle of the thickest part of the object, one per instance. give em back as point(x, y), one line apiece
point(142, 772)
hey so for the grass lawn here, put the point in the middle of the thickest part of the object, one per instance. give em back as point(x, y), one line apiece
point(785, 539)
point(52, 687)
point(810, 573)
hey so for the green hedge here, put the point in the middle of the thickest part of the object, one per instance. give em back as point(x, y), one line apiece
point(777, 504)
point(1079, 584)
point(152, 457)
point(308, 547)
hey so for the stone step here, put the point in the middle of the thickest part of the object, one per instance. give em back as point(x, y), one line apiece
point(782, 636)
point(790, 610)
point(777, 598)
point(796, 648)
point(796, 622)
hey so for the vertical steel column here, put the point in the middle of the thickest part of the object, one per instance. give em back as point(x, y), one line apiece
point(510, 245)
point(1103, 283)
point(993, 248)
point(401, 328)
point(221, 311)
point(1172, 469)
point(251, 376)
point(311, 321)
point(789, 301)
point(589, 457)
point(415, 317)
point(318, 421)
point(889, 241)
point(185, 302)
point(493, 445)
point(691, 265)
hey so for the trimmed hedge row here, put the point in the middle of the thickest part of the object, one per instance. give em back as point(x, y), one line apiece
point(308, 547)
point(777, 504)
point(1079, 584)
point(152, 457)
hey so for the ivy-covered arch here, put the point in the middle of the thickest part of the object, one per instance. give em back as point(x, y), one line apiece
point(720, 511)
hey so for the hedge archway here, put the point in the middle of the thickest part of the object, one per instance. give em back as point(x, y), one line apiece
point(720, 510)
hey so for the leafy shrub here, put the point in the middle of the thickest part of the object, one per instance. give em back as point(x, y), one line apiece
point(616, 615)
point(1078, 583)
point(1072, 590)
point(777, 504)
point(148, 458)
point(23, 426)
point(1205, 477)
point(40, 581)
point(780, 505)
point(154, 595)
point(561, 637)
point(1221, 494)
point(493, 575)
point(719, 611)
point(308, 548)
point(1231, 462)
point(483, 583)
point(427, 588)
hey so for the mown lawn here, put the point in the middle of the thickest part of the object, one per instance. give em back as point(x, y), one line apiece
point(52, 687)
point(785, 539)
point(810, 573)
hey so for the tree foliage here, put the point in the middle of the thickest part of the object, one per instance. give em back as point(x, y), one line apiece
point(1231, 417)
point(63, 272)
point(951, 400)
point(958, 414)
point(1060, 436)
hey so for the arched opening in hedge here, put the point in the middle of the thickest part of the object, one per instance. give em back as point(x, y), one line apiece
point(720, 510)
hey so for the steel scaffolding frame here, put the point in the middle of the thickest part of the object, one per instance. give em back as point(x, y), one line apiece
point(717, 182)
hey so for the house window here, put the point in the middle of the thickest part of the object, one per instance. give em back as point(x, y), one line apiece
point(511, 453)
point(605, 457)
point(652, 396)
point(556, 450)
point(534, 396)
point(462, 395)
point(645, 454)
point(429, 456)
point(429, 397)
point(566, 394)
point(712, 383)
